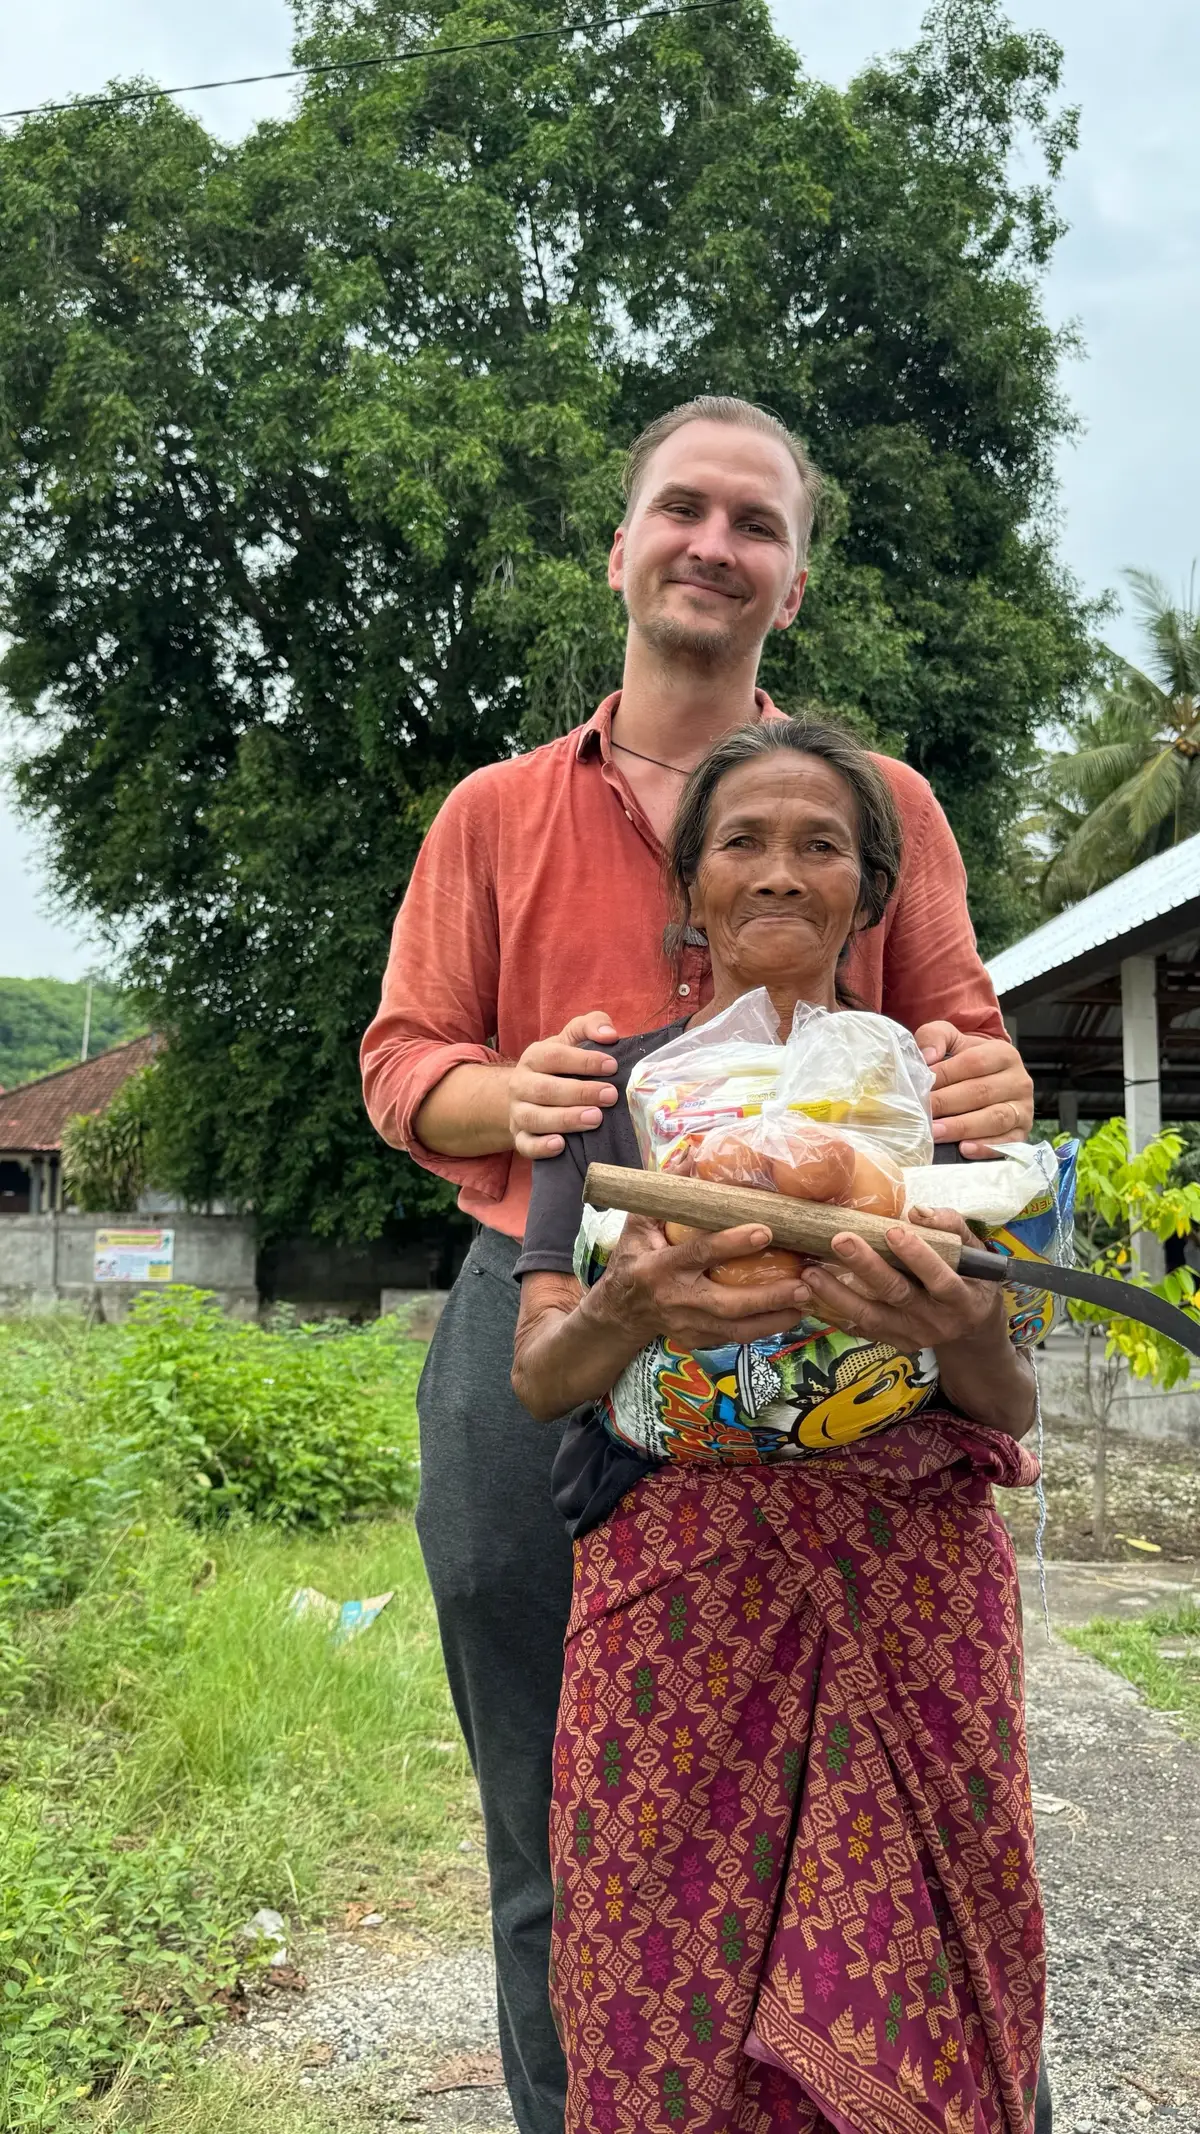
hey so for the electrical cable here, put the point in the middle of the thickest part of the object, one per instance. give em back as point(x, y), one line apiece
point(390, 59)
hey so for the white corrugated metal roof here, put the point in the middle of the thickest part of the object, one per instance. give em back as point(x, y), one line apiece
point(1152, 891)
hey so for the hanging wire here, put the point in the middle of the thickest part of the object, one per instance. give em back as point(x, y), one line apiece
point(1040, 1494)
point(390, 59)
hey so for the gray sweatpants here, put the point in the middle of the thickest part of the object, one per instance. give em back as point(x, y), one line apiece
point(499, 1564)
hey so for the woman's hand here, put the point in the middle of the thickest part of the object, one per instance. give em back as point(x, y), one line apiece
point(654, 1288)
point(925, 1306)
point(572, 1345)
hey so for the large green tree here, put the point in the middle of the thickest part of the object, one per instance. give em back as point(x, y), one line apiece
point(310, 452)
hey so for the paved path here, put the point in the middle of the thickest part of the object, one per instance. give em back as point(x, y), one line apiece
point(1117, 1792)
point(1119, 1853)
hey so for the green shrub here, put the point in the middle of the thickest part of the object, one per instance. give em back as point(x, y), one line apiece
point(69, 1477)
point(300, 1426)
point(175, 1750)
point(108, 1157)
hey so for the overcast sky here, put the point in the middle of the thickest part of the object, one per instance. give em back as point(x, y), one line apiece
point(1128, 272)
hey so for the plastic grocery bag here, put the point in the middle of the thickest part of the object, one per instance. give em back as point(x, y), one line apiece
point(731, 1094)
point(833, 1114)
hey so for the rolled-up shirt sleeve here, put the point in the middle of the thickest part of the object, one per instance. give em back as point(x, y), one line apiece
point(438, 1005)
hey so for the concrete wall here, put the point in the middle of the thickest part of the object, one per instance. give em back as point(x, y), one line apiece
point(1138, 1408)
point(47, 1259)
point(319, 1278)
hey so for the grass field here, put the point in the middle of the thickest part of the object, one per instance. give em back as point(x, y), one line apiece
point(175, 1751)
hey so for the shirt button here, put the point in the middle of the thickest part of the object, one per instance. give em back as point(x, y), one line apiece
point(685, 990)
point(629, 815)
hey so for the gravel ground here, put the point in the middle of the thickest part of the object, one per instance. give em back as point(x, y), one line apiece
point(409, 2030)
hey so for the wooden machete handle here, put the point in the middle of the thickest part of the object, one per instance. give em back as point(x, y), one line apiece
point(806, 1226)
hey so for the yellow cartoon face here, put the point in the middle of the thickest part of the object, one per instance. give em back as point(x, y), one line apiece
point(874, 1386)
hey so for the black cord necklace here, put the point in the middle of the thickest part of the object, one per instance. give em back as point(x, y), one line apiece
point(656, 760)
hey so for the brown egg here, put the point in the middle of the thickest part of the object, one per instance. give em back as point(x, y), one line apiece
point(773, 1264)
point(878, 1185)
point(819, 1164)
point(728, 1157)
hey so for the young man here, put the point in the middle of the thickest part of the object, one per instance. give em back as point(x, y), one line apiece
point(536, 907)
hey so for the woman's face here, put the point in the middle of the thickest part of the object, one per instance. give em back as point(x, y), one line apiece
point(777, 889)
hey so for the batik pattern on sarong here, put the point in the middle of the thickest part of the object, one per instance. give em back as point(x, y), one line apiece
point(791, 1830)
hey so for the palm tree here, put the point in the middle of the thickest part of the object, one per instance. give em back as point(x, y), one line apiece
point(1129, 784)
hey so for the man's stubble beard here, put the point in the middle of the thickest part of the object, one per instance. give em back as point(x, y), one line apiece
point(705, 648)
point(669, 637)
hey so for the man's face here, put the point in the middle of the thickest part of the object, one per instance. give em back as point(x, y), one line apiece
point(707, 560)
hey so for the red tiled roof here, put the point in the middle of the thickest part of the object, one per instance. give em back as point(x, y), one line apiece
point(32, 1117)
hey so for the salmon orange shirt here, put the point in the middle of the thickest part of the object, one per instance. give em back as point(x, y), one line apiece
point(538, 894)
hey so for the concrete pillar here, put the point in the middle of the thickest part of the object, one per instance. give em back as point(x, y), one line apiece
point(1068, 1111)
point(1143, 1098)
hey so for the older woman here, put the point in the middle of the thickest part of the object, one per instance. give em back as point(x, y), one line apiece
point(791, 1830)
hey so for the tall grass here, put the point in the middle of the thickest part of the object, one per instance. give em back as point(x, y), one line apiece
point(177, 1749)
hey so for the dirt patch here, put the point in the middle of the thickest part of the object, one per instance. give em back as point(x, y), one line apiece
point(1153, 1496)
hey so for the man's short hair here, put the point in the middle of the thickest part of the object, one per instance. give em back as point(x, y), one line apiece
point(722, 407)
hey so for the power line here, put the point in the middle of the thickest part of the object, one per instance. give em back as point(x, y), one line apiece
point(390, 59)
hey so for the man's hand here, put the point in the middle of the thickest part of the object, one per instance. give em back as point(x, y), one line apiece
point(554, 1087)
point(982, 1094)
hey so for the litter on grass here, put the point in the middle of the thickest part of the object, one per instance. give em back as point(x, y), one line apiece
point(346, 1618)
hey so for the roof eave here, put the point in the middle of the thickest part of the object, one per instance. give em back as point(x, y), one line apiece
point(1154, 934)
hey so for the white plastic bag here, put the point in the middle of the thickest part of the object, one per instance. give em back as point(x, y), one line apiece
point(731, 1086)
point(988, 1193)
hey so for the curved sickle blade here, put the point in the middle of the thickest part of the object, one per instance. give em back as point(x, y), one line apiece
point(1122, 1300)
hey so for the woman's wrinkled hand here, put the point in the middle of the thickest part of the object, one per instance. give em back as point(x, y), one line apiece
point(653, 1288)
point(925, 1306)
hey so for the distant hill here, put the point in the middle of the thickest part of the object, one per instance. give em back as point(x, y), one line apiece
point(41, 1025)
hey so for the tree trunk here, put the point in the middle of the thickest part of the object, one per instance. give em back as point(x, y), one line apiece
point(1100, 1483)
point(1099, 1398)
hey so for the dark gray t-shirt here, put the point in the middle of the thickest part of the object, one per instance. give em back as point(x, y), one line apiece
point(591, 1471)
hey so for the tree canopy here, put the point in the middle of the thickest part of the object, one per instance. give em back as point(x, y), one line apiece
point(310, 455)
